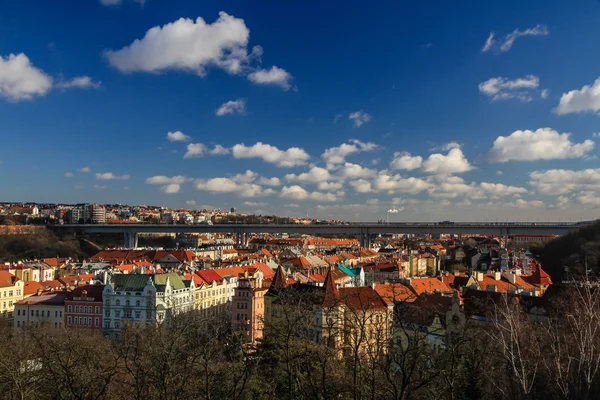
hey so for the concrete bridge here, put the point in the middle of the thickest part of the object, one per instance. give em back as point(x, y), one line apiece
point(363, 230)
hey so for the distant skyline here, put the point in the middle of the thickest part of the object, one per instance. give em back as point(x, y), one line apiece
point(486, 111)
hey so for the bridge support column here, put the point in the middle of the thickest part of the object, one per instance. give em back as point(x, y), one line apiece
point(365, 240)
point(238, 238)
point(245, 239)
point(131, 240)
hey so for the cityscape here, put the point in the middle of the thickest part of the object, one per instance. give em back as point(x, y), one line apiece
point(299, 200)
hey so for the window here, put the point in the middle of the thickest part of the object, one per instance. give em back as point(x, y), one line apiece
point(76, 309)
point(19, 312)
point(127, 302)
point(118, 302)
point(89, 321)
point(69, 320)
point(138, 314)
point(97, 321)
point(37, 313)
point(97, 309)
point(69, 308)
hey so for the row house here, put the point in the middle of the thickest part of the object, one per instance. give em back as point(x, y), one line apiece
point(43, 310)
point(142, 299)
point(84, 309)
point(11, 291)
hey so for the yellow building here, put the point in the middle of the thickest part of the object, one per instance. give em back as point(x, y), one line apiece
point(11, 291)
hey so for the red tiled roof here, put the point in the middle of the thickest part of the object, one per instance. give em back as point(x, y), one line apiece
point(31, 287)
point(429, 285)
point(395, 293)
point(54, 262)
point(362, 298)
point(209, 276)
point(7, 279)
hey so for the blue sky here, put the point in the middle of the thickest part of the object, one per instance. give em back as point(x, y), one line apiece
point(476, 111)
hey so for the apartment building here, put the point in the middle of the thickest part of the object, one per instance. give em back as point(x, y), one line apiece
point(84, 309)
point(11, 291)
point(42, 310)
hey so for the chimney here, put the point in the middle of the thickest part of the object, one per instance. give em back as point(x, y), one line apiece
point(479, 276)
point(497, 275)
point(511, 277)
point(39, 292)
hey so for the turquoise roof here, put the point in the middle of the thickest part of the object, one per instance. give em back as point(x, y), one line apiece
point(349, 271)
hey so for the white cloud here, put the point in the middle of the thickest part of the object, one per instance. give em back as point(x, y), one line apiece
point(503, 88)
point(542, 144)
point(330, 186)
point(178, 136)
point(336, 117)
point(506, 43)
point(452, 163)
point(299, 193)
point(391, 184)
point(190, 202)
point(488, 43)
point(254, 204)
point(20, 80)
point(194, 150)
point(232, 107)
point(405, 161)
point(587, 199)
point(100, 187)
point(219, 150)
point(292, 205)
point(118, 2)
point(109, 176)
point(274, 76)
point(359, 118)
point(314, 175)
point(291, 157)
point(500, 189)
point(499, 173)
point(545, 93)
point(85, 169)
point(238, 184)
point(561, 181)
point(585, 99)
point(81, 82)
point(190, 46)
point(69, 175)
point(337, 155)
point(509, 40)
point(162, 180)
point(171, 188)
point(520, 203)
point(353, 171)
point(274, 181)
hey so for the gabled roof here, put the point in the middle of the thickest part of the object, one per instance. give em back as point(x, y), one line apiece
point(362, 298)
point(31, 287)
point(7, 279)
point(429, 285)
point(129, 282)
point(395, 293)
point(209, 276)
point(71, 279)
point(174, 280)
point(48, 299)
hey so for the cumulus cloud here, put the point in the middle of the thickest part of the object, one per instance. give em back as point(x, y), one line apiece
point(506, 43)
point(232, 107)
point(178, 136)
point(20, 80)
point(314, 175)
point(274, 76)
point(219, 150)
point(360, 118)
point(296, 192)
point(562, 181)
point(291, 157)
point(580, 100)
point(162, 180)
point(452, 163)
point(85, 169)
point(542, 144)
point(274, 181)
point(190, 202)
point(81, 82)
point(194, 150)
point(337, 155)
point(520, 203)
point(500, 88)
point(229, 185)
point(353, 171)
point(109, 176)
point(405, 161)
point(69, 174)
point(171, 188)
point(187, 45)
point(390, 184)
